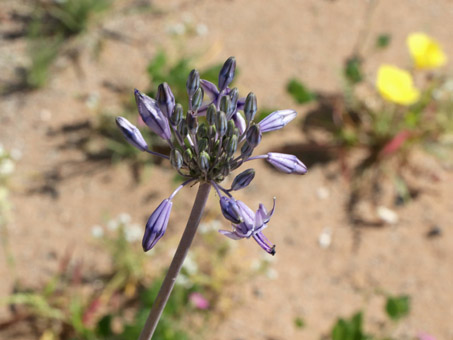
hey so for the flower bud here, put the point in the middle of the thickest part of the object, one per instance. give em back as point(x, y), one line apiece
point(276, 120)
point(131, 133)
point(202, 144)
point(193, 82)
point(182, 128)
point(157, 224)
point(197, 99)
point(176, 115)
point(212, 131)
point(221, 123)
point(289, 164)
point(226, 74)
point(234, 96)
point(253, 135)
point(250, 107)
point(165, 99)
point(225, 106)
point(203, 161)
point(211, 114)
point(230, 128)
point(226, 169)
point(239, 122)
point(232, 146)
point(192, 123)
point(246, 150)
point(152, 115)
point(176, 159)
point(202, 131)
point(243, 179)
point(230, 210)
point(187, 155)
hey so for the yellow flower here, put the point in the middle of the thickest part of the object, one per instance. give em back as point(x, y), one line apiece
point(396, 85)
point(426, 52)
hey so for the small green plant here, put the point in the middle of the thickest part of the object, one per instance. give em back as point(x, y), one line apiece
point(397, 307)
point(394, 118)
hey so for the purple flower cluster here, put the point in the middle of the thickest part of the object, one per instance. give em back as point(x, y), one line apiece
point(210, 141)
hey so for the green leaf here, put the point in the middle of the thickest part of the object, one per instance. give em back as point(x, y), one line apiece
point(300, 93)
point(299, 322)
point(383, 40)
point(398, 307)
point(353, 70)
point(349, 329)
point(103, 327)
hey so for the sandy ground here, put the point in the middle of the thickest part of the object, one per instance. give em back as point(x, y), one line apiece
point(272, 41)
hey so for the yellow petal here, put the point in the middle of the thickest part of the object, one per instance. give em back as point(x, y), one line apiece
point(396, 85)
point(426, 52)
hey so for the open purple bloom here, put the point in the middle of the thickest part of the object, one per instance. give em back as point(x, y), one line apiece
point(252, 226)
point(289, 164)
point(276, 120)
point(131, 133)
point(157, 224)
point(208, 150)
point(152, 115)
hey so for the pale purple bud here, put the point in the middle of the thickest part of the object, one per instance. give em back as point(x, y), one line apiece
point(250, 107)
point(131, 133)
point(152, 115)
point(165, 99)
point(276, 120)
point(210, 89)
point(226, 74)
point(289, 164)
point(230, 209)
point(239, 121)
point(243, 179)
point(157, 224)
point(253, 135)
point(193, 82)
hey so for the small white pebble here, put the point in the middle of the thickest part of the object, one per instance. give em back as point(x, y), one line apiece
point(322, 193)
point(201, 29)
point(45, 115)
point(97, 231)
point(325, 238)
point(387, 215)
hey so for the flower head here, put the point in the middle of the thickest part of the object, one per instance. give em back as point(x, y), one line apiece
point(426, 52)
point(396, 85)
point(208, 142)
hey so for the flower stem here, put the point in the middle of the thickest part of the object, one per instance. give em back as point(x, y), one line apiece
point(176, 263)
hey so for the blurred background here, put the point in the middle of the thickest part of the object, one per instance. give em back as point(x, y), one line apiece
point(364, 240)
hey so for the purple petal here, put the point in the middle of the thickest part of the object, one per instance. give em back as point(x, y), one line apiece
point(152, 115)
point(230, 234)
point(210, 89)
point(239, 121)
point(157, 224)
point(264, 243)
point(131, 133)
point(276, 120)
point(286, 163)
